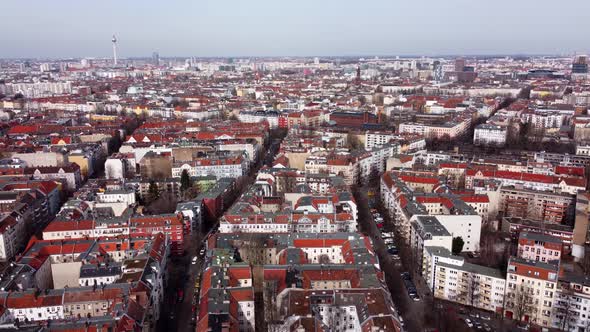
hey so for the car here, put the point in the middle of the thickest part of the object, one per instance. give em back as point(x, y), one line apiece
point(202, 252)
point(486, 327)
point(405, 275)
point(524, 327)
point(172, 315)
point(485, 317)
point(194, 260)
point(468, 322)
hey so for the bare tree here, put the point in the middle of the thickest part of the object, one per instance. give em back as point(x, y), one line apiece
point(564, 304)
point(324, 259)
point(522, 302)
point(166, 203)
point(585, 263)
point(271, 314)
point(352, 141)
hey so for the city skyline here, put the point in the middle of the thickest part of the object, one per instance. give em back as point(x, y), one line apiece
point(265, 28)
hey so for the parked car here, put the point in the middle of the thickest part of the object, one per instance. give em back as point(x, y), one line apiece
point(202, 252)
point(180, 295)
point(405, 275)
point(194, 260)
point(468, 322)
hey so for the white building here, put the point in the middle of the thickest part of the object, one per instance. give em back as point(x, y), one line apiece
point(272, 117)
point(490, 135)
point(220, 168)
point(451, 278)
point(120, 166)
point(37, 90)
point(426, 231)
point(377, 138)
point(531, 287)
point(116, 196)
point(468, 227)
point(571, 305)
point(583, 149)
point(12, 233)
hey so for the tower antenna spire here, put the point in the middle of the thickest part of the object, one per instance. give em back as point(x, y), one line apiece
point(114, 40)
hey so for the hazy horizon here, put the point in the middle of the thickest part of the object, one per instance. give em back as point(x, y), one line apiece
point(264, 28)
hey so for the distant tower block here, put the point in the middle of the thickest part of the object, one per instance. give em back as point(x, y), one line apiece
point(114, 40)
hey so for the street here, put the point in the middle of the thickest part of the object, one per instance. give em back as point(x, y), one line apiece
point(182, 274)
point(428, 314)
point(409, 309)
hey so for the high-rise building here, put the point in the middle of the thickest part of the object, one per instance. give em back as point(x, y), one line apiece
point(45, 67)
point(580, 65)
point(156, 58)
point(459, 65)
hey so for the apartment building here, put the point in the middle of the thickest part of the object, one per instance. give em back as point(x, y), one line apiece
point(539, 247)
point(426, 231)
point(490, 135)
point(546, 205)
point(531, 288)
point(451, 278)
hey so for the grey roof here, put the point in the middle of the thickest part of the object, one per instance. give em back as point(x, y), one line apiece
point(92, 271)
point(540, 237)
point(474, 268)
point(431, 225)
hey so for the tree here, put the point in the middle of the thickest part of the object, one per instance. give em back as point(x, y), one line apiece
point(153, 191)
point(564, 304)
point(458, 244)
point(353, 142)
point(522, 302)
point(166, 203)
point(185, 181)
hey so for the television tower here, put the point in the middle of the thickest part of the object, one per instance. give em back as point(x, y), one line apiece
point(114, 40)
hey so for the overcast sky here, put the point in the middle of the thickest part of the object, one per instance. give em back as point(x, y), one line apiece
point(81, 28)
